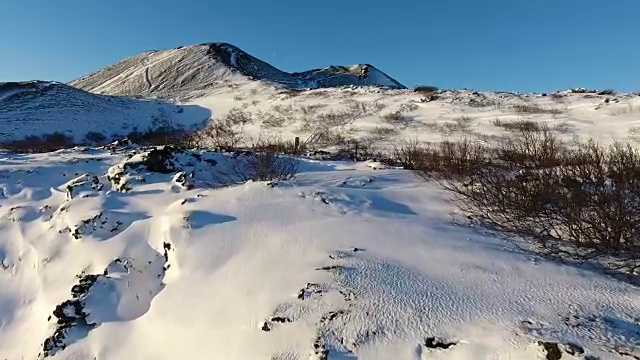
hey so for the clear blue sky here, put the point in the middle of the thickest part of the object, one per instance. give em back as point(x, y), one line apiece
point(523, 45)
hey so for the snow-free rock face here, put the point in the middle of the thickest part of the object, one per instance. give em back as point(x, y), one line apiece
point(41, 107)
point(189, 69)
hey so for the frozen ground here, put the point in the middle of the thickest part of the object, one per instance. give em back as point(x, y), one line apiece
point(343, 262)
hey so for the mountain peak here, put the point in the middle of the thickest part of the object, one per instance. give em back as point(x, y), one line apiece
point(196, 68)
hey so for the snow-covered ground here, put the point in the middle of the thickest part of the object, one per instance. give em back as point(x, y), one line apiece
point(342, 262)
point(391, 115)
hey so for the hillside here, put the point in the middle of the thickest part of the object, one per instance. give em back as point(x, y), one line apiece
point(40, 108)
point(189, 70)
point(389, 116)
point(106, 254)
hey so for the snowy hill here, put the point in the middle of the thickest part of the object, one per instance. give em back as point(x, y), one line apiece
point(110, 255)
point(388, 116)
point(40, 108)
point(180, 72)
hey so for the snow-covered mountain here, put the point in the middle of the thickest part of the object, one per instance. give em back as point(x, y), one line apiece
point(182, 71)
point(40, 108)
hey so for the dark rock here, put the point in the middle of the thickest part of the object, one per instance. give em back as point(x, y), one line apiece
point(552, 349)
point(573, 349)
point(436, 343)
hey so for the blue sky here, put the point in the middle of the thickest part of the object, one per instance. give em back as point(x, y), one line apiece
point(522, 45)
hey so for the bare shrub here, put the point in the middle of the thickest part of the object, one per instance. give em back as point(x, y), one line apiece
point(311, 109)
point(238, 116)
point(271, 120)
point(410, 154)
point(380, 132)
point(425, 89)
point(94, 137)
point(535, 109)
point(358, 149)
point(562, 128)
point(464, 122)
point(39, 144)
point(395, 117)
point(455, 159)
point(607, 92)
point(222, 134)
point(337, 118)
point(159, 136)
point(483, 102)
point(581, 203)
point(533, 149)
point(522, 125)
point(266, 161)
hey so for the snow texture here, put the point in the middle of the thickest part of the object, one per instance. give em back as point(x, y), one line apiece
point(342, 262)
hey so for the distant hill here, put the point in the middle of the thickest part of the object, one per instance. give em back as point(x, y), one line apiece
point(180, 71)
point(40, 107)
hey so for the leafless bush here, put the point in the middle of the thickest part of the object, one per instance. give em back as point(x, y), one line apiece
point(293, 92)
point(283, 110)
point(222, 133)
point(535, 109)
point(408, 107)
point(395, 117)
point(380, 132)
point(533, 149)
point(581, 203)
point(558, 97)
point(266, 161)
point(425, 89)
point(38, 144)
point(607, 92)
point(464, 122)
point(483, 102)
point(455, 159)
point(562, 128)
point(311, 109)
point(517, 126)
point(271, 120)
point(160, 136)
point(410, 154)
point(358, 149)
point(337, 118)
point(238, 116)
point(94, 137)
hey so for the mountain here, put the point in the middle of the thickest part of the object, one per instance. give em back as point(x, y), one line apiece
point(187, 69)
point(40, 107)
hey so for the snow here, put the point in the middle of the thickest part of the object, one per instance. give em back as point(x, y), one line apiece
point(197, 69)
point(42, 108)
point(454, 114)
point(343, 260)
